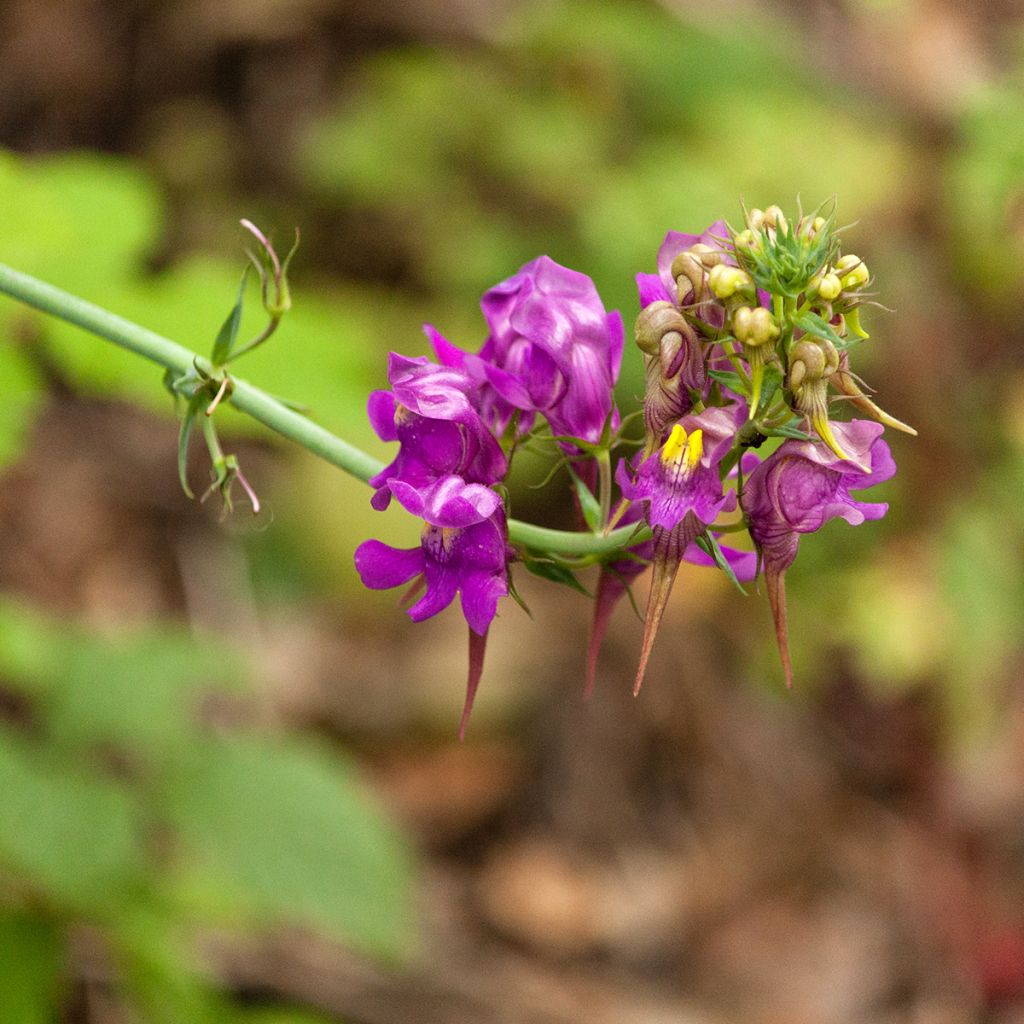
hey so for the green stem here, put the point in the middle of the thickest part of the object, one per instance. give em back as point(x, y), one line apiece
point(266, 409)
point(604, 476)
point(257, 341)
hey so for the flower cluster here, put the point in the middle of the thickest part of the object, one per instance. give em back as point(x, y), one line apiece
point(552, 351)
point(745, 338)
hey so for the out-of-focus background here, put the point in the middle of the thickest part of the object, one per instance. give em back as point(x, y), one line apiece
point(229, 784)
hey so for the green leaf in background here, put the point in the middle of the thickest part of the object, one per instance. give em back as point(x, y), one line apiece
point(161, 977)
point(275, 832)
point(31, 968)
point(986, 176)
point(71, 834)
point(139, 691)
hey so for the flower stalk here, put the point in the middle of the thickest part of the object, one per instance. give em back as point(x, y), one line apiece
point(262, 407)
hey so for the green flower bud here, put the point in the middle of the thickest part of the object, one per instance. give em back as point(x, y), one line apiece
point(726, 281)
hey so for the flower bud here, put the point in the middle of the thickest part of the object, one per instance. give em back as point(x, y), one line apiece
point(754, 327)
point(726, 281)
point(746, 240)
point(775, 218)
point(811, 363)
point(810, 228)
point(707, 255)
point(827, 286)
point(655, 322)
point(806, 364)
point(853, 271)
point(755, 219)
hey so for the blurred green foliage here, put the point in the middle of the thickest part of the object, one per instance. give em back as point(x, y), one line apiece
point(127, 810)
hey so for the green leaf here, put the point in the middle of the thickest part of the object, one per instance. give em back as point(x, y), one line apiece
point(139, 692)
point(188, 420)
point(31, 969)
point(64, 830)
point(278, 833)
point(589, 504)
point(161, 979)
point(811, 323)
point(556, 573)
point(708, 543)
point(731, 380)
point(770, 383)
point(228, 333)
point(786, 430)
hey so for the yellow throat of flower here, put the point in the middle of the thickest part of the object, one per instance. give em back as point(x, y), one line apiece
point(682, 452)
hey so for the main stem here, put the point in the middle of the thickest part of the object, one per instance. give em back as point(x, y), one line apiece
point(266, 409)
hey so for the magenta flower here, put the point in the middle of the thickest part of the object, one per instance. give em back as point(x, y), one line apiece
point(445, 444)
point(471, 561)
point(682, 476)
point(552, 349)
point(681, 491)
point(799, 488)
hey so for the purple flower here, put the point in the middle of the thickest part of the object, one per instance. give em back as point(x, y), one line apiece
point(552, 349)
point(445, 444)
point(681, 490)
point(799, 488)
point(471, 561)
point(682, 476)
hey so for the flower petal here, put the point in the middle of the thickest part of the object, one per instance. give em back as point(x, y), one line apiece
point(382, 567)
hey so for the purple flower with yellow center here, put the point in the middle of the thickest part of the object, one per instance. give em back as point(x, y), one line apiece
point(471, 561)
point(552, 349)
point(681, 490)
point(445, 445)
point(799, 488)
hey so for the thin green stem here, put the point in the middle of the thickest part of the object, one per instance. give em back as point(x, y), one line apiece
point(257, 341)
point(604, 476)
point(265, 409)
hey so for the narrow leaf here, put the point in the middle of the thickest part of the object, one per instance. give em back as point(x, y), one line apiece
point(589, 504)
point(556, 573)
point(786, 430)
point(188, 421)
point(708, 543)
point(731, 380)
point(811, 323)
point(229, 330)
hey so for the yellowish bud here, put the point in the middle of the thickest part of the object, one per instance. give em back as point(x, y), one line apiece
point(707, 255)
point(754, 327)
point(775, 218)
point(828, 286)
point(755, 219)
point(726, 281)
point(853, 271)
point(746, 239)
